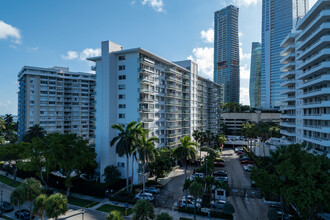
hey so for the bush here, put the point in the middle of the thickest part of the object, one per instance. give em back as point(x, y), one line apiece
point(164, 216)
point(213, 213)
point(124, 197)
point(255, 159)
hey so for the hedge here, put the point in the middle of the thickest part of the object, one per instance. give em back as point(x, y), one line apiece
point(212, 213)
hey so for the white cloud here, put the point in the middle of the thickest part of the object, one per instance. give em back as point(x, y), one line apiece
point(240, 34)
point(244, 72)
point(133, 2)
point(8, 31)
point(244, 56)
point(76, 55)
point(6, 107)
point(90, 52)
point(32, 49)
point(208, 36)
point(204, 58)
point(244, 96)
point(245, 2)
point(157, 5)
point(70, 55)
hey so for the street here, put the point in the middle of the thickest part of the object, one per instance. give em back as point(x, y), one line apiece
point(245, 208)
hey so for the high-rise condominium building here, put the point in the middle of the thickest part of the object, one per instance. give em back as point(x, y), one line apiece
point(255, 75)
point(278, 18)
point(306, 80)
point(226, 52)
point(57, 99)
point(169, 98)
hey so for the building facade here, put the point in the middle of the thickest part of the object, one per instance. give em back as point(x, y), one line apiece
point(306, 108)
point(278, 18)
point(226, 52)
point(233, 121)
point(169, 98)
point(57, 99)
point(255, 76)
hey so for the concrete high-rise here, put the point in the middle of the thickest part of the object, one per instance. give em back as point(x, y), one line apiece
point(169, 98)
point(226, 52)
point(57, 99)
point(278, 18)
point(255, 75)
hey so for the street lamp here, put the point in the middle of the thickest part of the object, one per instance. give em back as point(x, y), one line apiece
point(82, 214)
point(1, 204)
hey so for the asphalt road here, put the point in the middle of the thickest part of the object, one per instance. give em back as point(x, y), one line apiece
point(245, 207)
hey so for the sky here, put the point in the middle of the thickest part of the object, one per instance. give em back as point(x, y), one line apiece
point(63, 33)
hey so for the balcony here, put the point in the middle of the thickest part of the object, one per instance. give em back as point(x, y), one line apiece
point(316, 92)
point(174, 87)
point(317, 140)
point(288, 107)
point(146, 110)
point(314, 80)
point(307, 35)
point(146, 100)
point(174, 79)
point(146, 120)
point(287, 50)
point(288, 66)
point(174, 135)
point(173, 95)
point(173, 71)
point(314, 59)
point(288, 133)
point(173, 103)
point(288, 82)
point(286, 90)
point(288, 115)
point(317, 128)
point(288, 58)
point(147, 80)
point(288, 74)
point(288, 124)
point(146, 61)
point(147, 91)
point(317, 116)
point(146, 71)
point(317, 69)
point(316, 46)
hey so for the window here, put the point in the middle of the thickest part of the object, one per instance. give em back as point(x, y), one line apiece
point(121, 96)
point(122, 77)
point(120, 164)
point(121, 115)
point(121, 58)
point(121, 87)
point(122, 67)
point(122, 105)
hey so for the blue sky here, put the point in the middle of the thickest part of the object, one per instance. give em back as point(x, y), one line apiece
point(63, 33)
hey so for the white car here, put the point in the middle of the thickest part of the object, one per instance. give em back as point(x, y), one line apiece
point(146, 196)
point(218, 204)
point(190, 204)
point(190, 197)
point(194, 176)
point(248, 167)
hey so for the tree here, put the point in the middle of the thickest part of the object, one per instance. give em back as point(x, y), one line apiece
point(196, 190)
point(220, 141)
point(200, 137)
point(16, 197)
point(300, 178)
point(39, 205)
point(111, 174)
point(184, 152)
point(56, 205)
point(36, 158)
point(34, 132)
point(115, 215)
point(143, 210)
point(162, 163)
point(69, 153)
point(228, 209)
point(272, 214)
point(124, 142)
point(146, 149)
point(8, 120)
point(31, 189)
point(164, 216)
point(12, 154)
point(138, 131)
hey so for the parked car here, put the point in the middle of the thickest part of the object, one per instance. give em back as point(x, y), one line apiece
point(219, 164)
point(190, 197)
point(242, 155)
point(23, 214)
point(6, 207)
point(280, 212)
point(240, 152)
point(152, 190)
point(246, 162)
point(248, 167)
point(245, 158)
point(194, 176)
point(146, 196)
point(190, 204)
point(222, 178)
point(220, 173)
point(218, 204)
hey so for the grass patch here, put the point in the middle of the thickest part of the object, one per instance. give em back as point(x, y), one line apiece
point(82, 202)
point(5, 217)
point(8, 181)
point(109, 208)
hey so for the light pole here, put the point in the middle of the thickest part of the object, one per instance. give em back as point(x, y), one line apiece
point(82, 214)
point(1, 204)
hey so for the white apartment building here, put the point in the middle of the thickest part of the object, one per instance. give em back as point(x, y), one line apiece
point(169, 98)
point(308, 82)
point(57, 99)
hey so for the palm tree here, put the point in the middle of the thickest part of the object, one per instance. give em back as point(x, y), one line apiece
point(34, 132)
point(115, 215)
point(31, 189)
point(200, 137)
point(146, 149)
point(16, 197)
point(185, 151)
point(143, 210)
point(124, 142)
point(39, 205)
point(196, 190)
point(8, 120)
point(138, 130)
point(220, 141)
point(56, 205)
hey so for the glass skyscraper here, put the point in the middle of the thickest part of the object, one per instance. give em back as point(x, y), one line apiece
point(255, 75)
point(278, 18)
point(226, 52)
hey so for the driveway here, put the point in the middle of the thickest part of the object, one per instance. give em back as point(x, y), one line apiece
point(245, 207)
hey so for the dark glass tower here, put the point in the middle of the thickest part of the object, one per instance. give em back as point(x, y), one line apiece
point(255, 75)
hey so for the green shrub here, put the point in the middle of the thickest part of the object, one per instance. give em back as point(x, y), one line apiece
point(213, 214)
